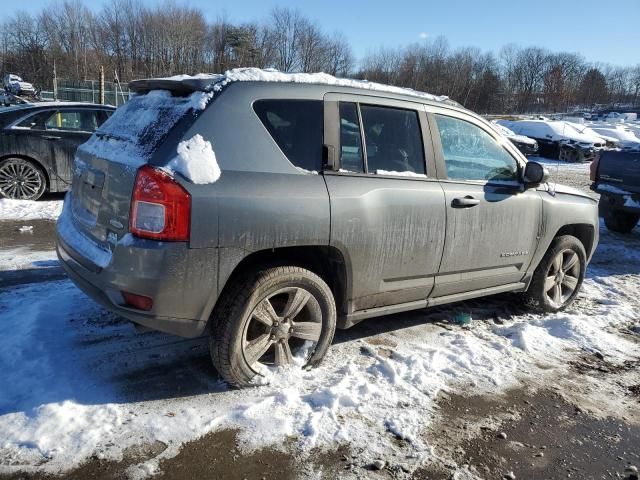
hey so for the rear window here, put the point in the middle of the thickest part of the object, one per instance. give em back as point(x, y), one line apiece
point(138, 127)
point(297, 128)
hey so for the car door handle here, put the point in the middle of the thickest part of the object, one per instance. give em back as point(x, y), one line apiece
point(51, 137)
point(465, 202)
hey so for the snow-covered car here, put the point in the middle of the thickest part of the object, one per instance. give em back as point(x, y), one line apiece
point(14, 84)
point(558, 139)
point(528, 146)
point(626, 138)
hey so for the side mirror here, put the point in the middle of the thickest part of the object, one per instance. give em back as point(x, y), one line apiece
point(535, 174)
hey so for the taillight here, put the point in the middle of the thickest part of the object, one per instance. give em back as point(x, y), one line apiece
point(160, 207)
point(139, 302)
point(593, 168)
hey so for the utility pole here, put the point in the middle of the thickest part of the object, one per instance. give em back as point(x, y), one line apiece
point(101, 85)
point(55, 81)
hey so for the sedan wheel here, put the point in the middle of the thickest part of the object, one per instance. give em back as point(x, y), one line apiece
point(21, 180)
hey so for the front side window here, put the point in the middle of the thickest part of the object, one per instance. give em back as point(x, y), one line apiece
point(74, 120)
point(297, 127)
point(393, 141)
point(35, 121)
point(470, 153)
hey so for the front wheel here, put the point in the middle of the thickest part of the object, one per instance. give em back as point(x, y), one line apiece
point(559, 275)
point(278, 317)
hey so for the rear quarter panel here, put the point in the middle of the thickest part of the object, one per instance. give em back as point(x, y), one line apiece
point(261, 201)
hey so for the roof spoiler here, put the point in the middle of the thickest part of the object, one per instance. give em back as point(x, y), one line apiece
point(177, 85)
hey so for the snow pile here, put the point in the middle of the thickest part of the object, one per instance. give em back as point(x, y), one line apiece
point(135, 129)
point(196, 161)
point(29, 209)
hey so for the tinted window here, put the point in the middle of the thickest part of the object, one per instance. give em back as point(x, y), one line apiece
point(470, 153)
point(297, 127)
point(393, 140)
point(79, 120)
point(35, 121)
point(350, 140)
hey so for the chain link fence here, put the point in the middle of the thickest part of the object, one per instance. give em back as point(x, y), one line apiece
point(88, 91)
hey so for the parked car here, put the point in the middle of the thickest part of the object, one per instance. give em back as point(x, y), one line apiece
point(626, 138)
point(38, 142)
point(616, 177)
point(15, 85)
point(267, 209)
point(528, 146)
point(558, 139)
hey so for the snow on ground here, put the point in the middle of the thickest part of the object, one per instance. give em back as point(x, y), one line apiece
point(23, 257)
point(78, 381)
point(29, 209)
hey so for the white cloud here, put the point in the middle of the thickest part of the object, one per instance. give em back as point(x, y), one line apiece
point(423, 35)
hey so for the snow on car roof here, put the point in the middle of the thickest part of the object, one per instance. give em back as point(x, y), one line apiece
point(216, 82)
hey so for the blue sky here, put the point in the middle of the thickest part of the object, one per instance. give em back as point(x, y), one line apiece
point(601, 31)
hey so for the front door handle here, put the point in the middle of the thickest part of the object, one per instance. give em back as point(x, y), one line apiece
point(465, 202)
point(51, 137)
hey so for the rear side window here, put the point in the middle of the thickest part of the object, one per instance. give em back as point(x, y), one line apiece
point(393, 140)
point(74, 120)
point(350, 140)
point(297, 127)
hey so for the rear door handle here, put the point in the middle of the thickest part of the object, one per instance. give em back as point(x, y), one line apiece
point(51, 137)
point(465, 202)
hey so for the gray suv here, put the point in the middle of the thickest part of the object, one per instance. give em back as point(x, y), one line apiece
point(335, 201)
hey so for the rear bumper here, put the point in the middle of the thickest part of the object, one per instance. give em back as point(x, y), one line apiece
point(619, 200)
point(181, 281)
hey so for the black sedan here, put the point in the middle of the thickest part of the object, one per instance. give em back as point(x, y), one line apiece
point(38, 143)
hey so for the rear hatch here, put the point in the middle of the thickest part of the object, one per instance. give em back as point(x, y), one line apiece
point(105, 167)
point(620, 169)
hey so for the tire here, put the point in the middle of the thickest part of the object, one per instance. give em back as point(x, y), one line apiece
point(21, 179)
point(618, 220)
point(558, 270)
point(241, 327)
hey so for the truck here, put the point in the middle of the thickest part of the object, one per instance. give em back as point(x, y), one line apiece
point(616, 177)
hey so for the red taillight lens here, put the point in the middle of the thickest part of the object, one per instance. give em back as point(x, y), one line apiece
point(137, 301)
point(160, 207)
point(593, 168)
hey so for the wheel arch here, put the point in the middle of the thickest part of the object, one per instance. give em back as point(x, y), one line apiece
point(583, 232)
point(325, 261)
point(37, 163)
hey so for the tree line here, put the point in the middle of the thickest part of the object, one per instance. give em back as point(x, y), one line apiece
point(133, 40)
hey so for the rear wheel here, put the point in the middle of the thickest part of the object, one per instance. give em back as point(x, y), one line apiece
point(21, 179)
point(557, 280)
point(618, 220)
point(278, 317)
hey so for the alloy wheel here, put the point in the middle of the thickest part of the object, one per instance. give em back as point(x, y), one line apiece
point(562, 278)
point(20, 180)
point(285, 325)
